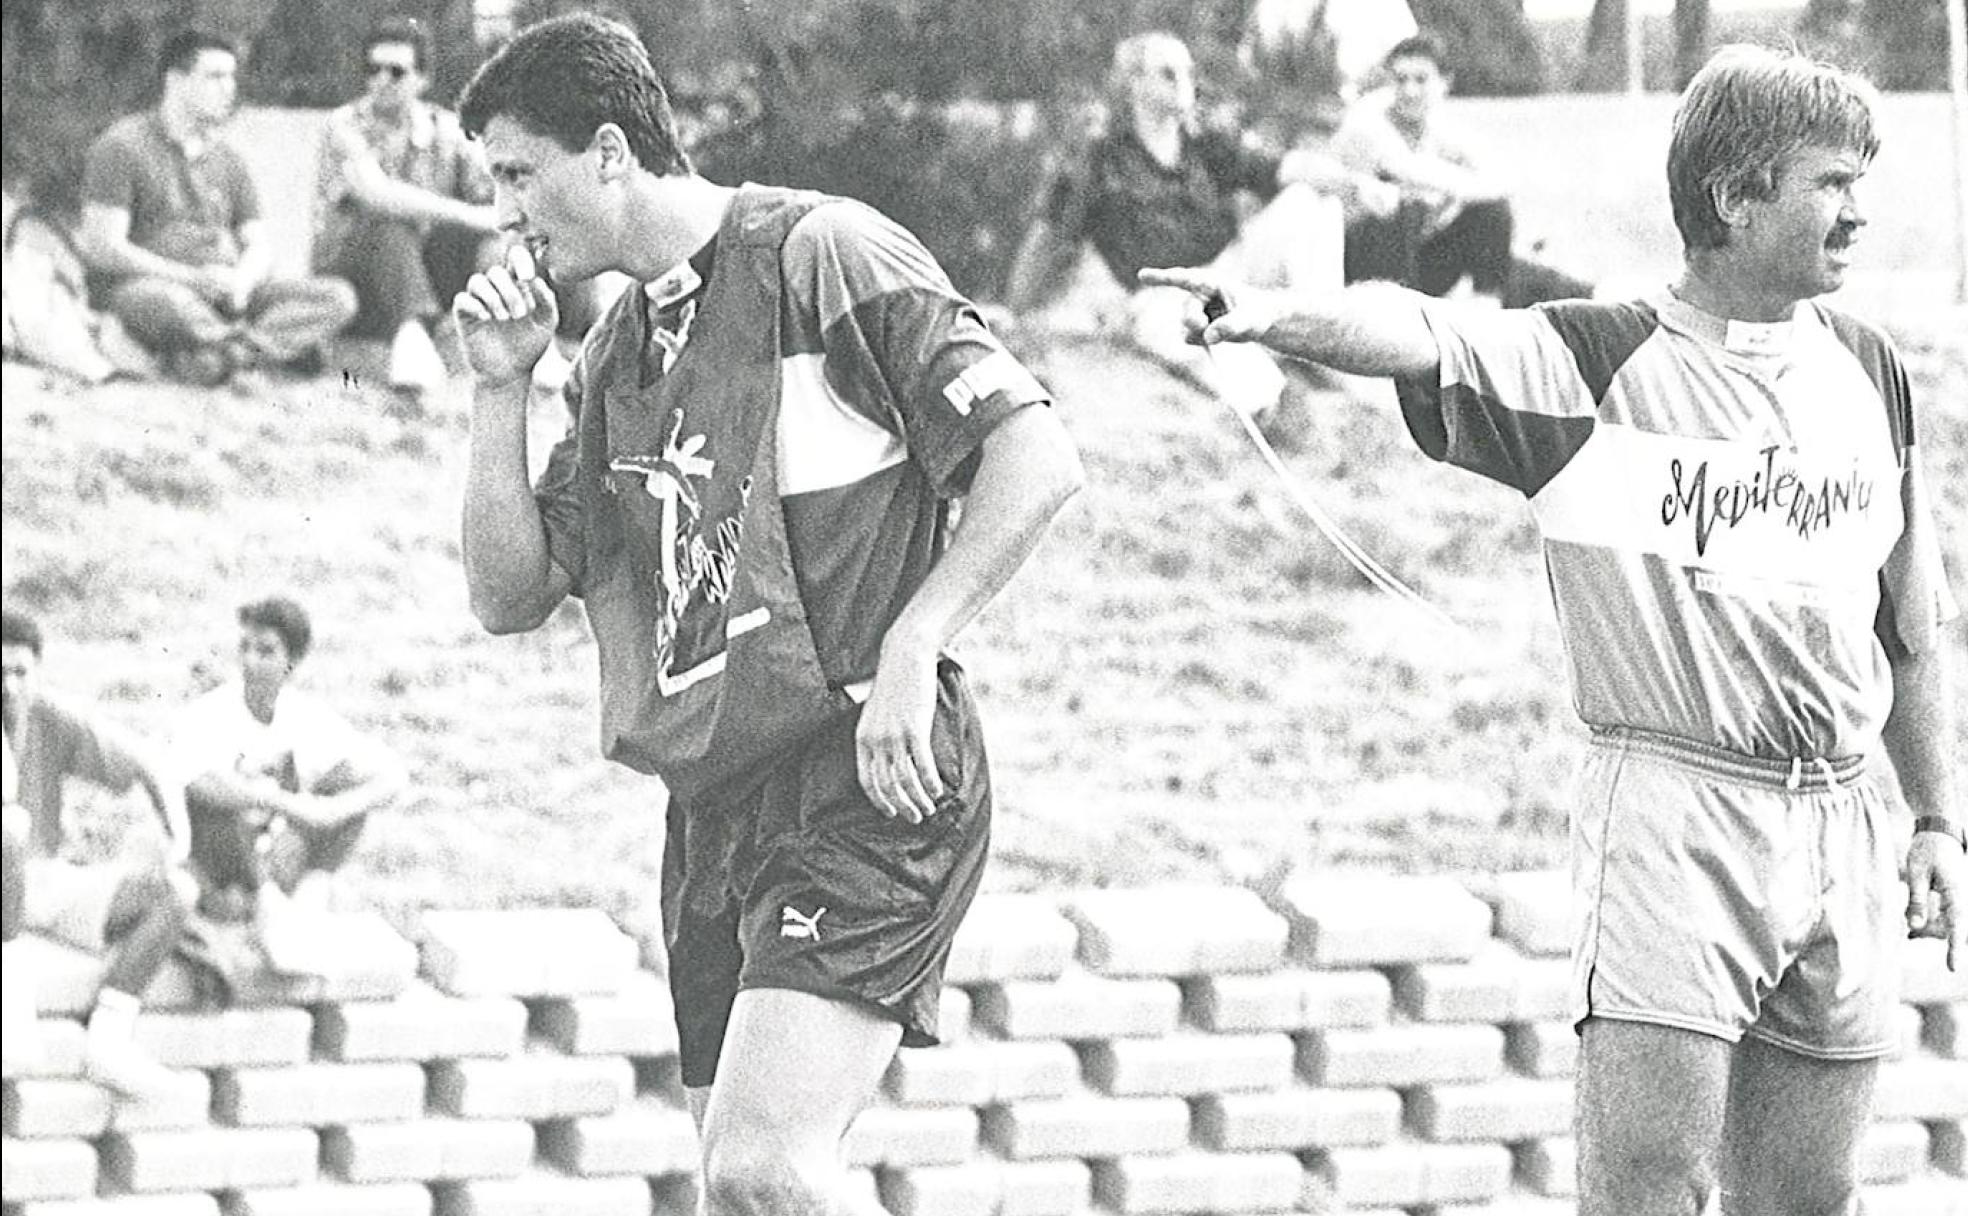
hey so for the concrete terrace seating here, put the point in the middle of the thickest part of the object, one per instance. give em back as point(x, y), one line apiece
point(1361, 1044)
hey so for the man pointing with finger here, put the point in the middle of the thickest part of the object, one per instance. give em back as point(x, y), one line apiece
point(1743, 558)
point(752, 504)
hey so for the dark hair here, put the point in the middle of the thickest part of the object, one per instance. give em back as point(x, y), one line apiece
point(1746, 113)
point(1423, 45)
point(181, 50)
point(20, 629)
point(567, 76)
point(404, 31)
point(284, 617)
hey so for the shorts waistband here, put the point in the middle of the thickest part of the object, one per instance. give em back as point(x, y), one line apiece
point(1799, 774)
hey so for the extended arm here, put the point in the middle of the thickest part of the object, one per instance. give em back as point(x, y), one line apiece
point(376, 190)
point(1915, 737)
point(1369, 329)
point(1028, 470)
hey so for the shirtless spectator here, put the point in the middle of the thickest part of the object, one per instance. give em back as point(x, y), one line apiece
point(172, 232)
point(1452, 218)
point(402, 205)
point(1158, 189)
point(131, 909)
point(280, 785)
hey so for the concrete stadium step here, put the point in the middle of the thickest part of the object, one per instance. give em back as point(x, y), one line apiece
point(421, 1024)
point(1011, 937)
point(1288, 1000)
point(1408, 1175)
point(1402, 1055)
point(650, 1138)
point(1087, 1127)
point(980, 1072)
point(1298, 1118)
point(534, 952)
point(210, 1158)
point(45, 1107)
point(638, 1020)
point(539, 1085)
point(990, 1188)
point(1078, 1006)
point(545, 1194)
point(1196, 1181)
point(1188, 1064)
point(429, 1150)
point(318, 1095)
point(334, 1199)
point(1176, 931)
point(1353, 920)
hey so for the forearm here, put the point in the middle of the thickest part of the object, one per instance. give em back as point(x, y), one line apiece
point(509, 571)
point(119, 257)
point(1917, 732)
point(1029, 470)
point(1373, 329)
point(401, 200)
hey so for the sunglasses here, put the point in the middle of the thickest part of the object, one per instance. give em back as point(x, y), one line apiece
point(395, 71)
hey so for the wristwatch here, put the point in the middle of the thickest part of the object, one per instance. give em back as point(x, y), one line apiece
point(1945, 826)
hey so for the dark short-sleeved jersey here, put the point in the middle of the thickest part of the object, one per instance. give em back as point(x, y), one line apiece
point(54, 744)
point(188, 209)
point(888, 383)
point(1138, 212)
point(1735, 524)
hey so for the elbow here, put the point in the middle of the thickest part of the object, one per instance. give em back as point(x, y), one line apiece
point(504, 615)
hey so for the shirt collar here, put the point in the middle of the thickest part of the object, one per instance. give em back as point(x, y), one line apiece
point(1737, 337)
point(683, 280)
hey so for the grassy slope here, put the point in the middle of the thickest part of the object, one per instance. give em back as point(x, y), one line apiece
point(1185, 682)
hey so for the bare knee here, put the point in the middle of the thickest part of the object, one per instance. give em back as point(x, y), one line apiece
point(750, 1179)
point(1630, 1166)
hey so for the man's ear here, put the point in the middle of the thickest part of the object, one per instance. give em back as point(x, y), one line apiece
point(613, 157)
point(1732, 199)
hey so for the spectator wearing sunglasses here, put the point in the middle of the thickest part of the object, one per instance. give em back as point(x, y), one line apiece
point(402, 205)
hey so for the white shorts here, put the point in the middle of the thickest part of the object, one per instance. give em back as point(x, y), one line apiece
point(1733, 896)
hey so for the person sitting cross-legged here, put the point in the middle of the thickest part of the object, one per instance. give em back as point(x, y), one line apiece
point(402, 205)
point(176, 245)
point(280, 786)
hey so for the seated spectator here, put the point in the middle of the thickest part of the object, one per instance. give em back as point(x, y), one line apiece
point(45, 317)
point(171, 230)
point(280, 785)
point(131, 911)
point(1452, 219)
point(402, 205)
point(1158, 190)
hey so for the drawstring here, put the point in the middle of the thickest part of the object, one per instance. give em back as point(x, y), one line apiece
point(1795, 781)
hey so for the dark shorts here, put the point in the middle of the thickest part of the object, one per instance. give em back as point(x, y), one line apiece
point(801, 883)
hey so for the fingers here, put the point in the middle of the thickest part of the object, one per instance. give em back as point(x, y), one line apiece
point(1920, 892)
point(1199, 282)
point(898, 772)
point(509, 291)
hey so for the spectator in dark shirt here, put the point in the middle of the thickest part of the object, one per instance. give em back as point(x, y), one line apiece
point(133, 911)
point(1159, 189)
point(172, 232)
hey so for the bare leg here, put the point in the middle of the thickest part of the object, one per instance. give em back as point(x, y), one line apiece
point(794, 1072)
point(1650, 1110)
point(1791, 1140)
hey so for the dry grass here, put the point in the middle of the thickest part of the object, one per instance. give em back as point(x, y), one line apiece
point(1186, 681)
